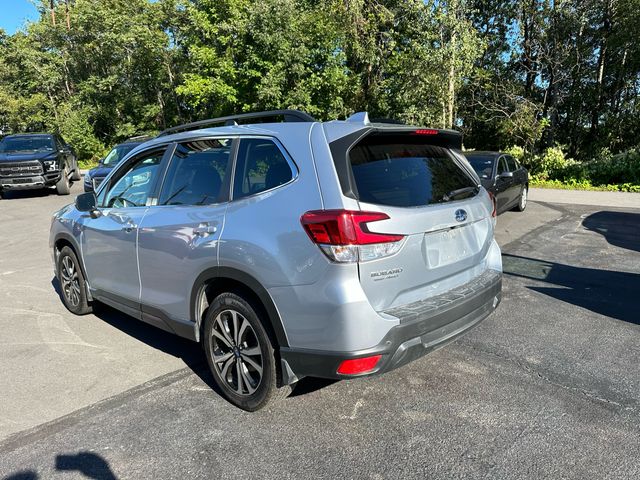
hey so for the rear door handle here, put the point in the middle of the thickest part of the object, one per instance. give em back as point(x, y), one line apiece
point(204, 229)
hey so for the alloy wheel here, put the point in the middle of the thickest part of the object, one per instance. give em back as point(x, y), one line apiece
point(70, 281)
point(237, 355)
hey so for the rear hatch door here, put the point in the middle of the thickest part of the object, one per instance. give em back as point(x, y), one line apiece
point(433, 201)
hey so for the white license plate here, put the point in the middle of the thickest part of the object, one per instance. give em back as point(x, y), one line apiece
point(449, 246)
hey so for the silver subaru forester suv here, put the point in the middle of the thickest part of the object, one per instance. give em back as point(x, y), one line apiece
point(288, 247)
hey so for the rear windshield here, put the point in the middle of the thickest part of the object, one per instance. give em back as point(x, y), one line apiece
point(404, 171)
point(482, 164)
point(117, 153)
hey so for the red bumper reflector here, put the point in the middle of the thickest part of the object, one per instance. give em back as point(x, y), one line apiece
point(359, 365)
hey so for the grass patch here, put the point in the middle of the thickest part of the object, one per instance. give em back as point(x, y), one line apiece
point(87, 164)
point(584, 185)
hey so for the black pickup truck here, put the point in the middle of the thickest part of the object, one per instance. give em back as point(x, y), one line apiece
point(37, 160)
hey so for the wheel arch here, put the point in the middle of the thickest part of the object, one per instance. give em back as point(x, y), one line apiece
point(65, 240)
point(216, 280)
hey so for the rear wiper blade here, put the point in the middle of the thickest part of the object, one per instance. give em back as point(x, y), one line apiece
point(454, 193)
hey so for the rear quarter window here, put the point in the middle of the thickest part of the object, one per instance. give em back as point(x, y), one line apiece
point(403, 171)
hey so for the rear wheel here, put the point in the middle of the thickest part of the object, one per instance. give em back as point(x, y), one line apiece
point(240, 354)
point(522, 201)
point(63, 187)
point(76, 176)
point(72, 283)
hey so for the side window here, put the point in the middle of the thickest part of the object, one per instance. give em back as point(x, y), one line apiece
point(511, 163)
point(502, 165)
point(134, 187)
point(260, 166)
point(197, 173)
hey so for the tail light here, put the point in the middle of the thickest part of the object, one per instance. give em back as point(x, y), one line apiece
point(344, 236)
point(357, 366)
point(494, 211)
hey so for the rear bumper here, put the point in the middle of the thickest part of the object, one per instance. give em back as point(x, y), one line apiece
point(424, 326)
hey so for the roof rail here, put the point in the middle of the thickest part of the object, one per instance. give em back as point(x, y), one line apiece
point(139, 137)
point(288, 115)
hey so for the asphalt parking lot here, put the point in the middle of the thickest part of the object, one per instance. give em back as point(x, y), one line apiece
point(547, 387)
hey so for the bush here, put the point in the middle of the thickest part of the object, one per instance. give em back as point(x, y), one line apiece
point(583, 185)
point(552, 169)
point(550, 164)
point(621, 168)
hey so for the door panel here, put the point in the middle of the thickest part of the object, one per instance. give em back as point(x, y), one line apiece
point(516, 182)
point(503, 185)
point(178, 239)
point(175, 245)
point(109, 251)
point(109, 242)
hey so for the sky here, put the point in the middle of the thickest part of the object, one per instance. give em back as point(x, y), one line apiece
point(14, 13)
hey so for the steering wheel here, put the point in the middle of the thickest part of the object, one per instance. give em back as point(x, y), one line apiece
point(121, 202)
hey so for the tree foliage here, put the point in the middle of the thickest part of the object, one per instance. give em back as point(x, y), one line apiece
point(532, 73)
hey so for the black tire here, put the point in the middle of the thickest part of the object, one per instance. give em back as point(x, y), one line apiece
point(63, 187)
point(523, 199)
point(73, 288)
point(76, 176)
point(237, 351)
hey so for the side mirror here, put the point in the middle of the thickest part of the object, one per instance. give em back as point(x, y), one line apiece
point(86, 202)
point(506, 175)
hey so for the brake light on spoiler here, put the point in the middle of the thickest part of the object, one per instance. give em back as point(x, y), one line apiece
point(426, 131)
point(344, 235)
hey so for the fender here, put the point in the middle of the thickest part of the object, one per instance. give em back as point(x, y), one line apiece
point(220, 273)
point(76, 248)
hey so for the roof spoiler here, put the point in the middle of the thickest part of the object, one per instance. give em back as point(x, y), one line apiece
point(434, 136)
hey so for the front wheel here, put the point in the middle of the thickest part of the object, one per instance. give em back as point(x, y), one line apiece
point(522, 202)
point(240, 354)
point(72, 283)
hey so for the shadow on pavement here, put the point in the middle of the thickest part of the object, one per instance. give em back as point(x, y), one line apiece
point(189, 352)
point(89, 464)
point(606, 292)
point(621, 229)
point(18, 194)
point(23, 475)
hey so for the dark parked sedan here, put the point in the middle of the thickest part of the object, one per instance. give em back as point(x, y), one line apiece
point(502, 175)
point(95, 176)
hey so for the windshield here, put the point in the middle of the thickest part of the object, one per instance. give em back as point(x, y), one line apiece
point(117, 153)
point(482, 164)
point(27, 144)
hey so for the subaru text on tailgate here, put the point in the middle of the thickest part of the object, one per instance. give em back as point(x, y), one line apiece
point(288, 248)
